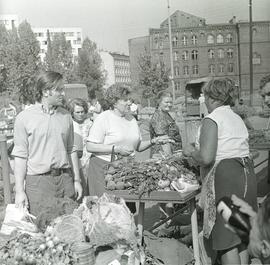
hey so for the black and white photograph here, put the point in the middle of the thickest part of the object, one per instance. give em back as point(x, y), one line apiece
point(134, 132)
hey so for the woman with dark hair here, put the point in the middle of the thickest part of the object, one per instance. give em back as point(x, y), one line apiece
point(113, 131)
point(224, 155)
point(162, 123)
point(81, 124)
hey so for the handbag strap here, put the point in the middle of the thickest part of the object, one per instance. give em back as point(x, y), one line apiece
point(113, 154)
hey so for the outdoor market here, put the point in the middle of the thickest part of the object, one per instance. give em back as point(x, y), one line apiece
point(107, 224)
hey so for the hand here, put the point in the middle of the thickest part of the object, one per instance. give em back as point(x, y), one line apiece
point(244, 207)
point(21, 200)
point(164, 139)
point(123, 150)
point(78, 189)
point(188, 150)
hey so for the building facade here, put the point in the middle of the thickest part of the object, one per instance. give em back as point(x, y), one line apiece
point(117, 68)
point(72, 35)
point(201, 49)
point(10, 21)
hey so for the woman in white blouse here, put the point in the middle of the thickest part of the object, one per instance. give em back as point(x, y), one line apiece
point(114, 131)
point(224, 155)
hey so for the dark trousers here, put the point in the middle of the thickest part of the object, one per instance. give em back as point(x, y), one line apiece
point(38, 188)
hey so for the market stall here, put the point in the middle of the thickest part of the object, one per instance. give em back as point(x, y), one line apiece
point(165, 197)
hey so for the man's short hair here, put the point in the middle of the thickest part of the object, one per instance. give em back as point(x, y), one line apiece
point(264, 81)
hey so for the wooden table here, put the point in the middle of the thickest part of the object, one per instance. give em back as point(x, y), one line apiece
point(166, 197)
point(264, 147)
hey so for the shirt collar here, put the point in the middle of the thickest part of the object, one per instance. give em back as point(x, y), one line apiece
point(46, 110)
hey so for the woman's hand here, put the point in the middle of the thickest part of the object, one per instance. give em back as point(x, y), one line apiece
point(123, 150)
point(164, 139)
point(188, 150)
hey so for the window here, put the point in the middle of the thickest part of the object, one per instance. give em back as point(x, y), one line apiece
point(156, 44)
point(220, 38)
point(176, 71)
point(185, 70)
point(177, 86)
point(161, 56)
point(185, 55)
point(210, 39)
point(229, 38)
point(221, 68)
point(184, 40)
point(211, 69)
point(195, 69)
point(211, 54)
point(194, 39)
point(175, 56)
point(44, 42)
point(194, 55)
point(220, 53)
point(161, 45)
point(175, 41)
point(230, 53)
point(230, 68)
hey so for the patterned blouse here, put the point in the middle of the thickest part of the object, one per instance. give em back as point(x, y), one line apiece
point(162, 123)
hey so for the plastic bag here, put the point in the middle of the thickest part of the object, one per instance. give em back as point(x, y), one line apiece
point(17, 219)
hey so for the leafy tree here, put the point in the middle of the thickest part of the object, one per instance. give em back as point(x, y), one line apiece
point(4, 41)
point(19, 56)
point(89, 67)
point(153, 77)
point(59, 56)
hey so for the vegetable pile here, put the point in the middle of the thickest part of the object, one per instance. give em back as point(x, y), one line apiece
point(24, 249)
point(261, 137)
point(151, 175)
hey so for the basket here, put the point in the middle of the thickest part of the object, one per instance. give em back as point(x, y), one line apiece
point(84, 252)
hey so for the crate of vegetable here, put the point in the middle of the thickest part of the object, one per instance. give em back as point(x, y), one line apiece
point(147, 176)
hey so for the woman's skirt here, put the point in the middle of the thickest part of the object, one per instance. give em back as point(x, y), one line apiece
point(96, 181)
point(233, 176)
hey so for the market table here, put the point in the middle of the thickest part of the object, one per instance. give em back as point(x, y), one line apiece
point(264, 147)
point(166, 197)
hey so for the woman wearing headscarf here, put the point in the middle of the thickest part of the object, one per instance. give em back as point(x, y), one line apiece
point(224, 155)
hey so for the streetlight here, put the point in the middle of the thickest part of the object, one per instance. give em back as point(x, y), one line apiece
point(171, 53)
point(250, 55)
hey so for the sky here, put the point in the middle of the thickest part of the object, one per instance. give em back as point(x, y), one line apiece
point(110, 23)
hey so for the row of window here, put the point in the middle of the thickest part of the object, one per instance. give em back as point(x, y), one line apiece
point(121, 63)
point(69, 41)
point(220, 68)
point(194, 69)
point(67, 34)
point(211, 54)
point(194, 40)
point(220, 53)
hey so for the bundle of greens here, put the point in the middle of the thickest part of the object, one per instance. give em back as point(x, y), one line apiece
point(144, 177)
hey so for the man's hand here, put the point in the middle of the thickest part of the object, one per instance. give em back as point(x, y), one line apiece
point(244, 207)
point(78, 189)
point(21, 200)
point(123, 150)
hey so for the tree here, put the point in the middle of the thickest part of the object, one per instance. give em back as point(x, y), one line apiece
point(153, 77)
point(4, 41)
point(20, 57)
point(89, 67)
point(59, 56)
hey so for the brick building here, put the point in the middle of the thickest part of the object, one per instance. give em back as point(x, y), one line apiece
point(201, 49)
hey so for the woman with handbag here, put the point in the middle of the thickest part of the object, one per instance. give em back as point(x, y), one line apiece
point(114, 131)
